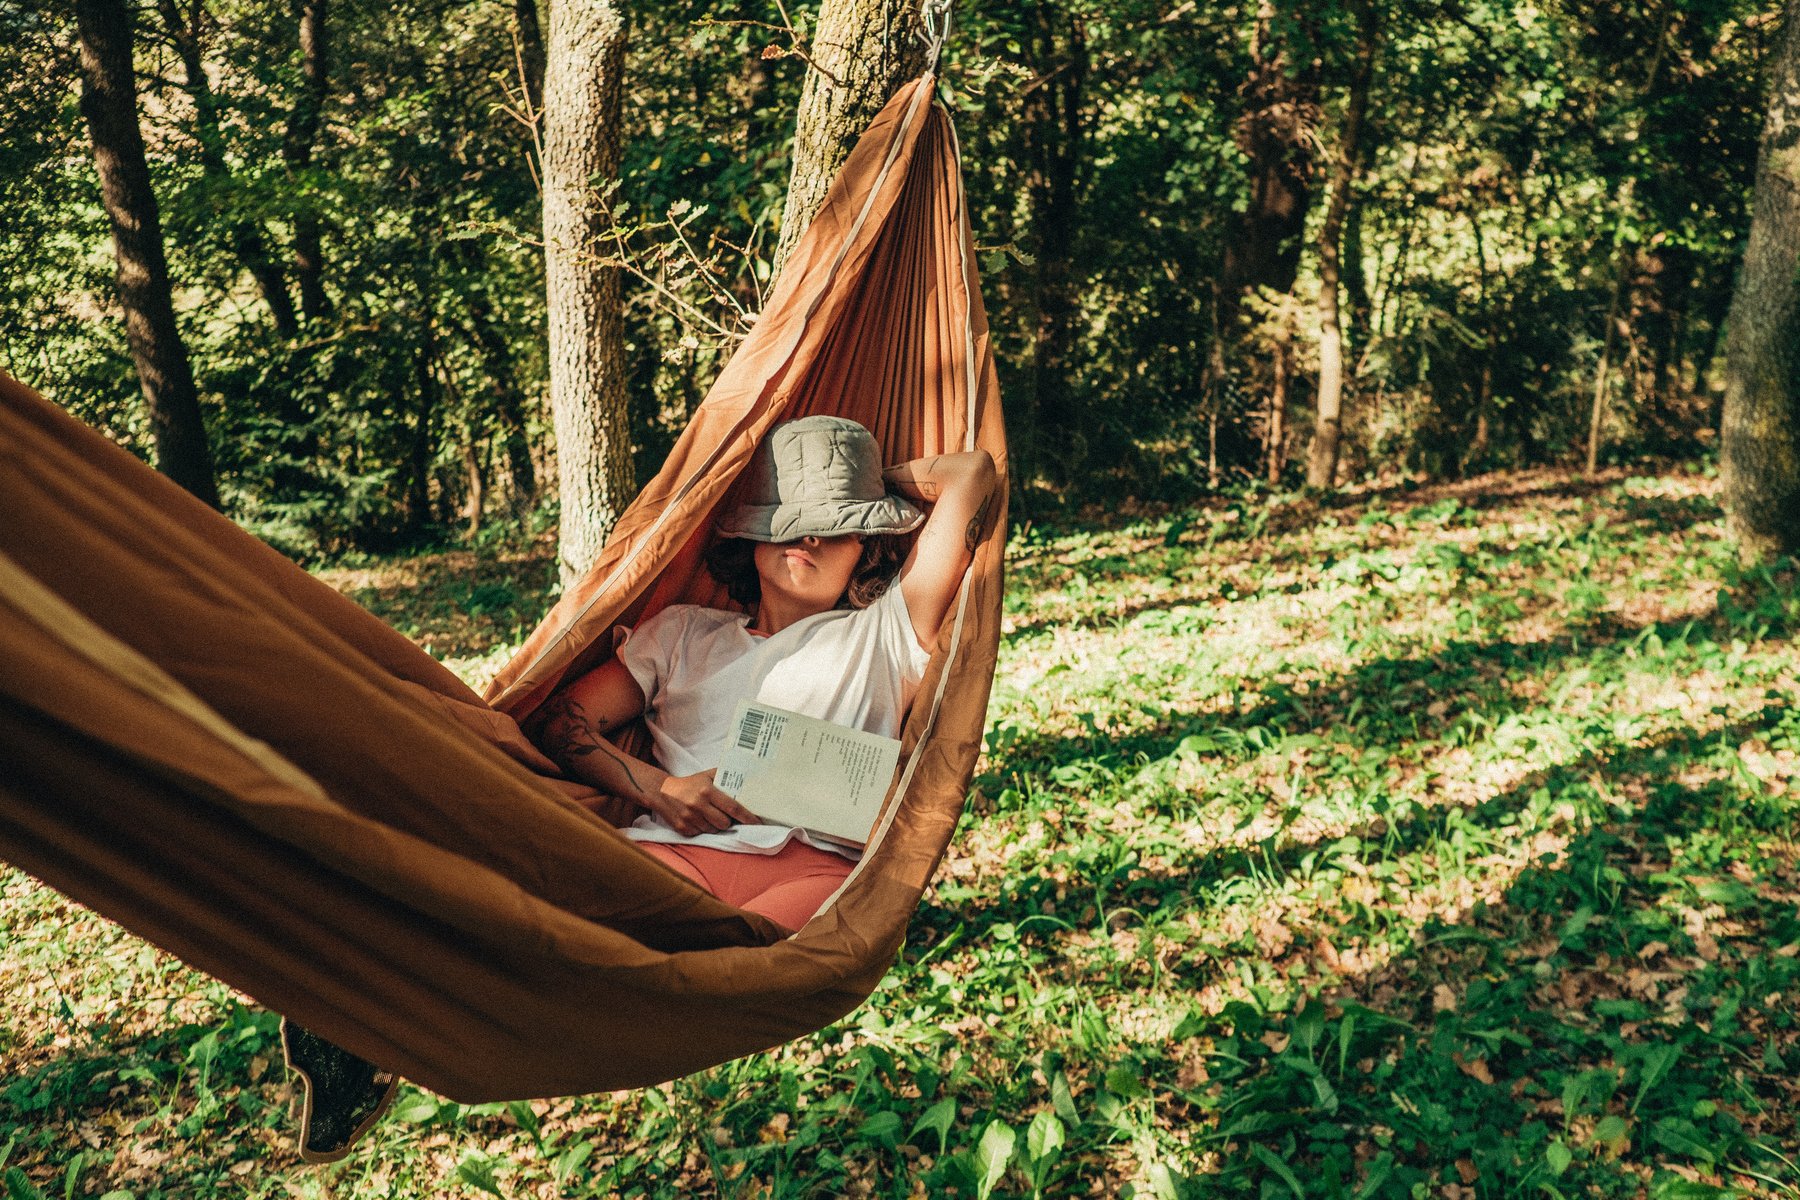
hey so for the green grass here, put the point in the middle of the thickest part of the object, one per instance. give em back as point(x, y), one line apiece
point(1437, 844)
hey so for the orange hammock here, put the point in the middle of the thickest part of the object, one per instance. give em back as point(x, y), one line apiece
point(216, 750)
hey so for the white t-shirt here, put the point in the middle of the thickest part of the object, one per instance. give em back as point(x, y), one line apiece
point(856, 667)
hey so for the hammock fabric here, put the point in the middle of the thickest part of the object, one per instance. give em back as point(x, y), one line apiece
point(216, 750)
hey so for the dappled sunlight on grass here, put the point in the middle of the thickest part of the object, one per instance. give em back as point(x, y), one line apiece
point(1431, 843)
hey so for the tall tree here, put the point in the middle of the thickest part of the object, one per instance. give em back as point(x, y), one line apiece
point(1276, 134)
point(862, 51)
point(1054, 132)
point(109, 103)
point(300, 140)
point(246, 239)
point(1275, 131)
point(584, 61)
point(1321, 469)
point(1760, 446)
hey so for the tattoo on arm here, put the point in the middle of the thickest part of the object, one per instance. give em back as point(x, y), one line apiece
point(972, 536)
point(568, 736)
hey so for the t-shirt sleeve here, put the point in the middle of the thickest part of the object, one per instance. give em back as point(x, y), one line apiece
point(897, 636)
point(648, 652)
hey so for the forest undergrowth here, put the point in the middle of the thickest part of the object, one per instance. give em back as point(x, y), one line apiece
point(1434, 843)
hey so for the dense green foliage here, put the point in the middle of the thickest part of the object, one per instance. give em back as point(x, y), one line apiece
point(1436, 844)
point(1531, 168)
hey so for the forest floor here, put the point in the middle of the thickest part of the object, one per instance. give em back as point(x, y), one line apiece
point(1435, 843)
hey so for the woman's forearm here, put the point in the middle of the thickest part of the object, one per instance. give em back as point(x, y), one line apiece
point(929, 479)
point(959, 487)
point(570, 739)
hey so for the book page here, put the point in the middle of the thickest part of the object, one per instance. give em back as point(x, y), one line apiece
point(791, 769)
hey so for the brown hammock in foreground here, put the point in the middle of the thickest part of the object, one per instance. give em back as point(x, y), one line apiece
point(214, 749)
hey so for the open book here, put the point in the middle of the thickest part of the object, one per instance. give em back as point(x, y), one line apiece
point(796, 770)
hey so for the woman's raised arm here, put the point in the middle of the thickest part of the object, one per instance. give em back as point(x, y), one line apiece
point(960, 490)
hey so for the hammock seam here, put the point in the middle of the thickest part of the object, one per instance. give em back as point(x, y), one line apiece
point(962, 593)
point(33, 601)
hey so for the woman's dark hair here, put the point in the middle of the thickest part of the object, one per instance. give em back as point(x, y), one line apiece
point(733, 563)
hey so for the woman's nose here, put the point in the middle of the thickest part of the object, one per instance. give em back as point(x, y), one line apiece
point(810, 540)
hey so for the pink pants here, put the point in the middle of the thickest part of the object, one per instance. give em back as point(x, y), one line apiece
point(787, 887)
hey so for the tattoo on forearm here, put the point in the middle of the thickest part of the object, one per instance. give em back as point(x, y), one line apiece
point(569, 736)
point(972, 537)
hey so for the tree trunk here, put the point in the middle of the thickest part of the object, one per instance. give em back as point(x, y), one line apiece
point(862, 51)
point(1052, 121)
point(531, 51)
point(1321, 469)
point(243, 235)
point(1358, 326)
point(1275, 440)
point(476, 481)
point(424, 431)
point(297, 151)
point(582, 90)
point(1275, 132)
point(109, 102)
point(1760, 443)
point(1597, 414)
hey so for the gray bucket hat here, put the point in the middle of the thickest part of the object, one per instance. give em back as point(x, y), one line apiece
point(816, 477)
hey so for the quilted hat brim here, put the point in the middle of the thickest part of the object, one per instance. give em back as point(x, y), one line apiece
point(820, 518)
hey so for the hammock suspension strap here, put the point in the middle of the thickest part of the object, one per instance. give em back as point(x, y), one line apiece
point(934, 15)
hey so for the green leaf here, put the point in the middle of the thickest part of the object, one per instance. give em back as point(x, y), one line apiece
point(1045, 1137)
point(1162, 1183)
point(1324, 1095)
point(992, 1156)
point(1657, 1061)
point(1309, 1026)
point(570, 1161)
point(72, 1176)
point(1557, 1157)
point(478, 1172)
point(1613, 1132)
point(883, 1127)
point(938, 1118)
point(1063, 1100)
point(1123, 1082)
point(417, 1111)
point(524, 1116)
point(18, 1187)
point(1279, 1168)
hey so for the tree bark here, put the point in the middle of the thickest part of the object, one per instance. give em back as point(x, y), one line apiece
point(1760, 442)
point(1275, 439)
point(1321, 469)
point(301, 138)
point(531, 51)
point(1053, 129)
point(109, 103)
point(862, 51)
point(1281, 110)
point(245, 238)
point(424, 431)
point(582, 91)
point(1597, 411)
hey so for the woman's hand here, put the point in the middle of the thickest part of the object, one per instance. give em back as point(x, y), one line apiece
point(693, 805)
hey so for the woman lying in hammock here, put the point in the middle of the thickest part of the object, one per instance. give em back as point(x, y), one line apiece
point(838, 627)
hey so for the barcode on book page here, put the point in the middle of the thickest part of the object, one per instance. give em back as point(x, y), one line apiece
point(750, 728)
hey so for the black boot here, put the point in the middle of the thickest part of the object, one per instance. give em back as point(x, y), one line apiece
point(345, 1095)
